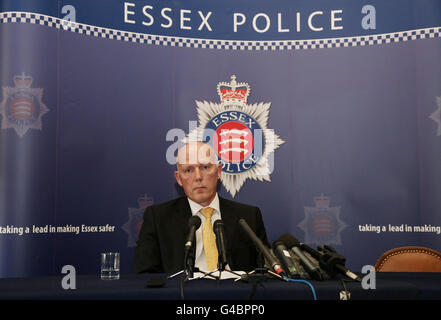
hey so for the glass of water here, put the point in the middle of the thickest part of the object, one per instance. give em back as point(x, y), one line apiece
point(110, 266)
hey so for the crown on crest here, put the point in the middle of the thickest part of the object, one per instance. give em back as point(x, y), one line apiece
point(23, 81)
point(145, 201)
point(233, 92)
point(322, 201)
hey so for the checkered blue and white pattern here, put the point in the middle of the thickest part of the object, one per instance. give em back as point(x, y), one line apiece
point(53, 22)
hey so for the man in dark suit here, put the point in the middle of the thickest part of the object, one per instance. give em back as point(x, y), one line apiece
point(160, 246)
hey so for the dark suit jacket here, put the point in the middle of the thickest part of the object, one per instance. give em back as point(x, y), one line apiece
point(160, 246)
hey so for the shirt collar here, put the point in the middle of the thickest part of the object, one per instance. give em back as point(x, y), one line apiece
point(196, 207)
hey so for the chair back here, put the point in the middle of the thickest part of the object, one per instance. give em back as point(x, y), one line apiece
point(409, 259)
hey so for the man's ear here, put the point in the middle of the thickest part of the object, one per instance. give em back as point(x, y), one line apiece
point(178, 178)
point(219, 171)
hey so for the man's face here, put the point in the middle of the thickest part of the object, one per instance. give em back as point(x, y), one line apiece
point(198, 173)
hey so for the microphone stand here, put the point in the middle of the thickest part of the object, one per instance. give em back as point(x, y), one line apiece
point(189, 263)
point(257, 276)
point(209, 274)
point(220, 268)
point(190, 268)
point(260, 271)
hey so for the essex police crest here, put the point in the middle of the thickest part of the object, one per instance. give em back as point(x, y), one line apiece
point(136, 218)
point(22, 107)
point(238, 133)
point(322, 223)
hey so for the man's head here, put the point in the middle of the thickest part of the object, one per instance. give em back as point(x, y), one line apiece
point(198, 172)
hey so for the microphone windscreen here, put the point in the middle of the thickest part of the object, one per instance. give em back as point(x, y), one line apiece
point(277, 243)
point(194, 221)
point(289, 241)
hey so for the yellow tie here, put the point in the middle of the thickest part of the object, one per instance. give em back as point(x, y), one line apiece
point(211, 254)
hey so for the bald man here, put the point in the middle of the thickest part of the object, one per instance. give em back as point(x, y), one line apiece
point(160, 246)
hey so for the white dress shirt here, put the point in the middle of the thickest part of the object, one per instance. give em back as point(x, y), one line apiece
point(200, 261)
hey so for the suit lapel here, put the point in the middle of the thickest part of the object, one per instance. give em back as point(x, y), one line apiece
point(181, 216)
point(229, 217)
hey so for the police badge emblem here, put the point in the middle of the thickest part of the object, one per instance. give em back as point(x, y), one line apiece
point(322, 223)
point(238, 133)
point(136, 218)
point(436, 116)
point(22, 107)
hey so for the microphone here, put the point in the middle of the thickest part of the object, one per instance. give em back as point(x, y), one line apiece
point(218, 227)
point(193, 223)
point(273, 262)
point(314, 253)
point(331, 261)
point(292, 243)
point(285, 259)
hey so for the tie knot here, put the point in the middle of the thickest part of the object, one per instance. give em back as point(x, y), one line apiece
point(207, 212)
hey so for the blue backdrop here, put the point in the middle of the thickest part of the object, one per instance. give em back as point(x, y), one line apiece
point(91, 90)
